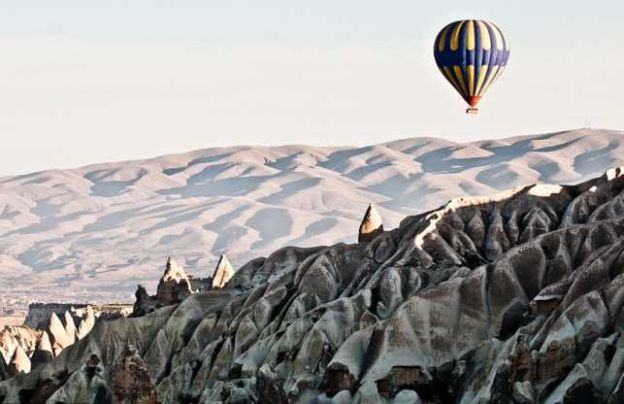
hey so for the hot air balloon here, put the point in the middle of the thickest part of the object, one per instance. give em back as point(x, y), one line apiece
point(471, 54)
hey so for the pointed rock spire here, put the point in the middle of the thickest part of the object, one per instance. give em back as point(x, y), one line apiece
point(7, 346)
point(174, 285)
point(371, 225)
point(59, 335)
point(43, 352)
point(141, 293)
point(86, 323)
point(70, 326)
point(173, 271)
point(223, 272)
point(20, 362)
point(144, 303)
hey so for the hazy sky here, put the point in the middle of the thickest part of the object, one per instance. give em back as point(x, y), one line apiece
point(88, 81)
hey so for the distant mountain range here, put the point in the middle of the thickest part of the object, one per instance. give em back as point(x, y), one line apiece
point(101, 229)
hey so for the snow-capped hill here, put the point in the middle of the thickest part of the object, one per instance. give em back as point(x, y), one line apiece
point(108, 226)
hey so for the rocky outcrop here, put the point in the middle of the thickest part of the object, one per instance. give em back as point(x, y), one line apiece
point(144, 303)
point(41, 345)
point(7, 344)
point(58, 332)
point(174, 285)
point(70, 327)
point(131, 381)
point(222, 273)
point(20, 363)
point(15, 342)
point(39, 313)
point(86, 323)
point(43, 352)
point(371, 225)
point(513, 298)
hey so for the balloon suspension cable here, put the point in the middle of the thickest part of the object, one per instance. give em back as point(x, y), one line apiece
point(472, 110)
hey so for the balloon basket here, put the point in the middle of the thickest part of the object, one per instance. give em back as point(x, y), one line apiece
point(472, 110)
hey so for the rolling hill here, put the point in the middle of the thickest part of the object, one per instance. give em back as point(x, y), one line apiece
point(96, 231)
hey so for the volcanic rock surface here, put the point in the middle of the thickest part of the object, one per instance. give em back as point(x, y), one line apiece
point(514, 297)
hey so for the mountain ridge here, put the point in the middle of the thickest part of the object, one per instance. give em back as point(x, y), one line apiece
point(247, 201)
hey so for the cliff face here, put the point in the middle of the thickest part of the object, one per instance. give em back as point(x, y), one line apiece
point(516, 297)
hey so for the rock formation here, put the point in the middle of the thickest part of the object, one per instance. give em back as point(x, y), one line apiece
point(20, 363)
point(131, 381)
point(12, 339)
point(86, 323)
point(513, 298)
point(4, 369)
point(39, 313)
point(371, 225)
point(7, 345)
point(174, 286)
point(60, 338)
point(43, 353)
point(223, 272)
point(144, 303)
point(36, 343)
point(70, 326)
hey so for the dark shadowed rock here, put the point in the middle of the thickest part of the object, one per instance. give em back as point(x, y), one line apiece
point(43, 353)
point(144, 303)
point(130, 380)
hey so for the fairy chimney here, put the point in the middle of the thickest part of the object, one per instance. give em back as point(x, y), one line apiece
point(371, 225)
point(222, 273)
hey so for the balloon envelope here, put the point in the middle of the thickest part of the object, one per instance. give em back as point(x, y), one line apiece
point(471, 54)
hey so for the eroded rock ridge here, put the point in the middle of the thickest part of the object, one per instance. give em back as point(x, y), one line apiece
point(515, 297)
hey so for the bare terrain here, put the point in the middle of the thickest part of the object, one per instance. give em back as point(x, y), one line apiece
point(93, 233)
point(514, 297)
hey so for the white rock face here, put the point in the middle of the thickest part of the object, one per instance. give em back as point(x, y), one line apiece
point(44, 344)
point(59, 334)
point(174, 272)
point(70, 326)
point(20, 363)
point(250, 201)
point(86, 323)
point(7, 346)
point(223, 272)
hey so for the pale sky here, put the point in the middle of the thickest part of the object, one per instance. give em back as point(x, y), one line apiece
point(90, 81)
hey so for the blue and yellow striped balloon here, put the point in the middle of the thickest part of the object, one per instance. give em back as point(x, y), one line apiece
point(471, 54)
